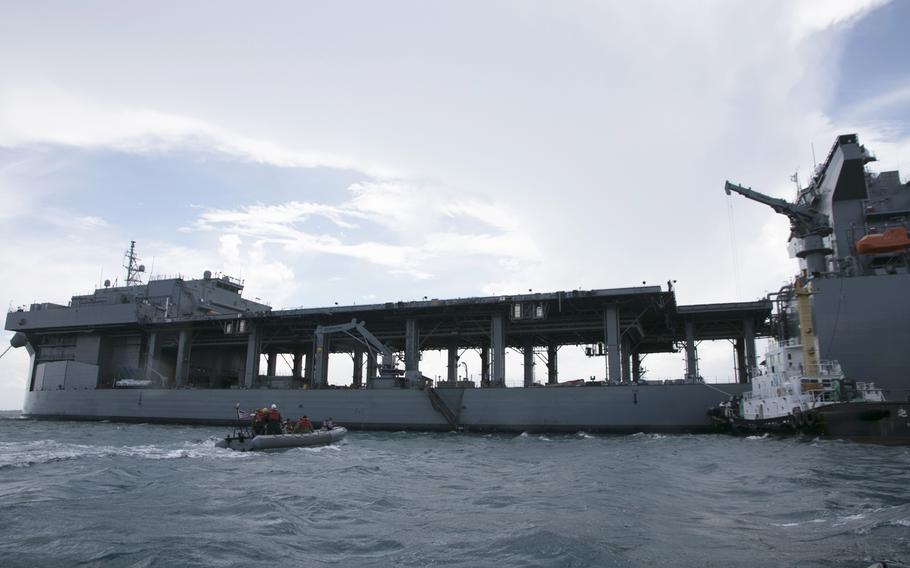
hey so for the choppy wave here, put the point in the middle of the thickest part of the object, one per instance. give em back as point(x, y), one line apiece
point(147, 495)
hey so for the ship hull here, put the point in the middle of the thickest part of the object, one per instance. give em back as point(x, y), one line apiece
point(618, 409)
point(875, 422)
point(862, 323)
point(869, 422)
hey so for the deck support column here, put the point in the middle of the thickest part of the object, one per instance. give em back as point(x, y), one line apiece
point(297, 370)
point(636, 366)
point(739, 349)
point(498, 340)
point(151, 356)
point(749, 339)
point(371, 367)
point(611, 339)
point(528, 352)
point(358, 367)
point(251, 366)
point(411, 346)
point(309, 367)
point(484, 366)
point(626, 349)
point(321, 352)
point(184, 347)
point(452, 375)
point(271, 363)
point(691, 352)
point(552, 365)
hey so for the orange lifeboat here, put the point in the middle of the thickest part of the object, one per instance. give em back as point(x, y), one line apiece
point(892, 240)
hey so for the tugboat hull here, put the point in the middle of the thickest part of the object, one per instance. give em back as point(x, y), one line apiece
point(875, 422)
point(870, 422)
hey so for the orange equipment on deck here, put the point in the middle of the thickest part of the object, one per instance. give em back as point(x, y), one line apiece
point(894, 239)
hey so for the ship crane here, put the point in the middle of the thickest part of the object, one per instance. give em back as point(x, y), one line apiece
point(387, 367)
point(806, 224)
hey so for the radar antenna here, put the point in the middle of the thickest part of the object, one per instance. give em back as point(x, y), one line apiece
point(133, 268)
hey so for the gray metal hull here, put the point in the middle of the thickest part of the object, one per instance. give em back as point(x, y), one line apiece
point(621, 409)
point(864, 324)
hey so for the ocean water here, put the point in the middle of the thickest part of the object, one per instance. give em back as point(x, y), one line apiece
point(104, 494)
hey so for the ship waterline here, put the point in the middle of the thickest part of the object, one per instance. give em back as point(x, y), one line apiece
point(616, 409)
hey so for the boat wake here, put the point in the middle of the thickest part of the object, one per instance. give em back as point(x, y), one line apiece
point(36, 452)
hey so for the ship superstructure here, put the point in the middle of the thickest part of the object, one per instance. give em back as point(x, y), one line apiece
point(849, 234)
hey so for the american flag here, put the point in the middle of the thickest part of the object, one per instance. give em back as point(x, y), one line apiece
point(244, 415)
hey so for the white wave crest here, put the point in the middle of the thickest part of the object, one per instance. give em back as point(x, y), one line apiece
point(24, 454)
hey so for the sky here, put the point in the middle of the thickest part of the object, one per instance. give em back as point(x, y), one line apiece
point(369, 152)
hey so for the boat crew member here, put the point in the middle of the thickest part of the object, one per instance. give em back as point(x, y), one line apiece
point(274, 426)
point(304, 426)
point(329, 423)
point(259, 421)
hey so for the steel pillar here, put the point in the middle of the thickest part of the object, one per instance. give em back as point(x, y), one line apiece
point(691, 353)
point(611, 340)
point(251, 367)
point(739, 350)
point(528, 352)
point(552, 365)
point(412, 345)
point(309, 367)
point(271, 363)
point(749, 340)
point(371, 367)
point(636, 366)
point(626, 350)
point(498, 341)
point(151, 355)
point(358, 367)
point(184, 347)
point(321, 352)
point(297, 370)
point(452, 375)
point(484, 366)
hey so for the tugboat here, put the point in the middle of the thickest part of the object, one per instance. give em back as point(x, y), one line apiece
point(794, 392)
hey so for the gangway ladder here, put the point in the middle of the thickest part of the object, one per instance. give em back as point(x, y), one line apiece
point(441, 407)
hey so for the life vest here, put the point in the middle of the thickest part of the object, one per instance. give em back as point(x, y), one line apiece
point(274, 416)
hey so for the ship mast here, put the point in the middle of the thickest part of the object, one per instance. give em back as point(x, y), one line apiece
point(133, 268)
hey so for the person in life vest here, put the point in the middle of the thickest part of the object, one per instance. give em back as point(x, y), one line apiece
point(304, 426)
point(259, 421)
point(274, 426)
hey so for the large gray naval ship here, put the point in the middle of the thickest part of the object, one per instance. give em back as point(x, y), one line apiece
point(194, 350)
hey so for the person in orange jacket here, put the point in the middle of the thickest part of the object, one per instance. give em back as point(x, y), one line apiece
point(274, 426)
point(260, 420)
point(304, 426)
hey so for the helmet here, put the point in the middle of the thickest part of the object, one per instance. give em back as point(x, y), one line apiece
point(274, 407)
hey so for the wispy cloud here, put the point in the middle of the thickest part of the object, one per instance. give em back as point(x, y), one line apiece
point(811, 16)
point(44, 114)
point(421, 224)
